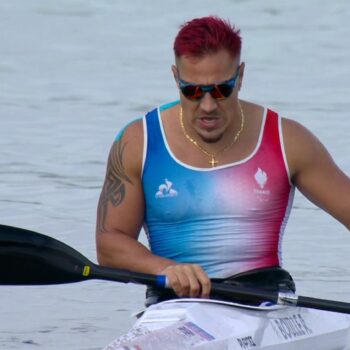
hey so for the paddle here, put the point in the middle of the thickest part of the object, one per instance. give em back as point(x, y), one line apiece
point(30, 258)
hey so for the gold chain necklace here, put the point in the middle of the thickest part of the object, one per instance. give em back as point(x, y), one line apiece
point(212, 156)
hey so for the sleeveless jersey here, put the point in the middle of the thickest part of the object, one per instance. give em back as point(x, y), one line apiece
point(228, 219)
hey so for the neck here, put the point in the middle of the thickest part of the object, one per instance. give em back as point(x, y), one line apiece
point(213, 155)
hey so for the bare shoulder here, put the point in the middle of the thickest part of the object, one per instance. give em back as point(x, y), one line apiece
point(132, 133)
point(294, 132)
point(293, 126)
point(303, 148)
point(126, 152)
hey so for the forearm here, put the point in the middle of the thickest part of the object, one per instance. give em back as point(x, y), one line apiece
point(122, 251)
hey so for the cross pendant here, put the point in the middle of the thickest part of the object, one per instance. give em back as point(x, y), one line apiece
point(213, 162)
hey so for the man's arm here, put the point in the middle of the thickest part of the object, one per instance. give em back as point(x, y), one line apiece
point(120, 217)
point(315, 173)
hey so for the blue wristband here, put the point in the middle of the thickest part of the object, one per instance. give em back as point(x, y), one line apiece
point(161, 281)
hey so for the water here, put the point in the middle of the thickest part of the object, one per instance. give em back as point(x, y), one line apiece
point(73, 72)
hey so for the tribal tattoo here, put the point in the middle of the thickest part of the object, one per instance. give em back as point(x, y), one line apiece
point(113, 190)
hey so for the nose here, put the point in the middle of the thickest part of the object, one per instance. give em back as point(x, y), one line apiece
point(208, 103)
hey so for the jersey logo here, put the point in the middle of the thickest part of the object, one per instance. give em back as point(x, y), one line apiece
point(261, 178)
point(262, 193)
point(166, 190)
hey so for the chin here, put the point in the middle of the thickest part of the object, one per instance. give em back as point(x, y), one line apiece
point(211, 137)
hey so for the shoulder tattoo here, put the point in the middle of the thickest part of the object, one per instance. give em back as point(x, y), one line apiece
point(113, 191)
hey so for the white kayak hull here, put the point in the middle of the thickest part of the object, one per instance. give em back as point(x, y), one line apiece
point(213, 325)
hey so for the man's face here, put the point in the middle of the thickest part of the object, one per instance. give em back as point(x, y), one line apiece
point(209, 117)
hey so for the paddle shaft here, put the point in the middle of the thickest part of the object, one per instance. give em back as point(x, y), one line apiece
point(238, 292)
point(226, 291)
point(323, 304)
point(125, 276)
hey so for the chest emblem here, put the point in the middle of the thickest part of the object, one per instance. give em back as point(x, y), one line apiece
point(261, 178)
point(166, 190)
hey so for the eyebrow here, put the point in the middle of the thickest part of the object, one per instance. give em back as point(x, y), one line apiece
point(186, 83)
point(234, 77)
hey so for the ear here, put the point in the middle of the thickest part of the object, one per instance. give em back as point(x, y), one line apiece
point(241, 75)
point(175, 74)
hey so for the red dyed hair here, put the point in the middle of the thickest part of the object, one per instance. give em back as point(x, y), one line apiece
point(207, 35)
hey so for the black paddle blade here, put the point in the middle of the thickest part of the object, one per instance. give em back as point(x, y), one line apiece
point(30, 258)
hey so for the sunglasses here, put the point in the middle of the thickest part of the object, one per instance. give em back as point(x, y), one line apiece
point(217, 91)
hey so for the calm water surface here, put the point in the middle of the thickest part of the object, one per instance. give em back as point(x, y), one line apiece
point(72, 72)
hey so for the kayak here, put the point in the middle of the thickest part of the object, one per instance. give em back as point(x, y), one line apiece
point(206, 324)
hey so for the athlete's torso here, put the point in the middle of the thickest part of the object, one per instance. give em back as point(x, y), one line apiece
point(228, 219)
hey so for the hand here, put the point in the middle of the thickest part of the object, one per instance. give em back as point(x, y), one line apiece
point(188, 280)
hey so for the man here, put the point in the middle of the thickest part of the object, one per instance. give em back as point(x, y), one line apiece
point(211, 177)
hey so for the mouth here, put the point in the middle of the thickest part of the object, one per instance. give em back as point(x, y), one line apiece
point(209, 122)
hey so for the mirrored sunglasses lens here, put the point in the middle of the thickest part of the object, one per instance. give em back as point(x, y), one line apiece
point(223, 90)
point(216, 93)
point(192, 92)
